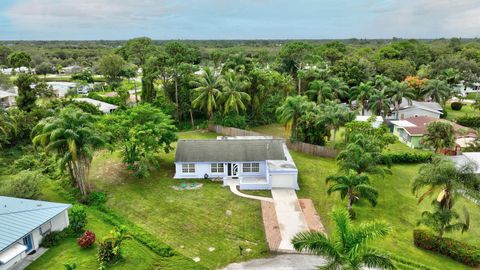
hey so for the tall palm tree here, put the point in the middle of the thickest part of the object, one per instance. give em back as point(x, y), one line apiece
point(442, 178)
point(71, 136)
point(347, 248)
point(441, 220)
point(437, 90)
point(290, 111)
point(233, 96)
point(354, 187)
point(380, 103)
point(361, 94)
point(336, 116)
point(8, 127)
point(320, 90)
point(400, 91)
point(339, 88)
point(207, 91)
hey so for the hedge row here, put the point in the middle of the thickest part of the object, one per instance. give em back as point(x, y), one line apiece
point(472, 121)
point(454, 249)
point(174, 259)
point(403, 263)
point(408, 157)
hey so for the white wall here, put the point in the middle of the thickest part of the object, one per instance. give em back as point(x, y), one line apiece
point(202, 168)
point(415, 112)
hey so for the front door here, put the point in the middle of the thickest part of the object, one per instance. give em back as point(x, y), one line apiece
point(28, 242)
point(233, 169)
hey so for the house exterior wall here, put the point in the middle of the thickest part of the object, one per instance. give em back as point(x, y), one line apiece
point(57, 223)
point(415, 112)
point(202, 168)
point(404, 137)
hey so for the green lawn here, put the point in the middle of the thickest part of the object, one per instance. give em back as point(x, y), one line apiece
point(277, 130)
point(396, 205)
point(190, 221)
point(467, 109)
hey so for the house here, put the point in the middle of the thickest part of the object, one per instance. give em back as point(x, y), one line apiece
point(23, 224)
point(466, 89)
point(256, 162)
point(7, 98)
point(71, 70)
point(13, 71)
point(468, 159)
point(102, 106)
point(61, 88)
point(414, 108)
point(411, 130)
point(376, 123)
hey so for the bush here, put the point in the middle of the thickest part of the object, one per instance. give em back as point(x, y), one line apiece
point(230, 120)
point(472, 121)
point(107, 253)
point(408, 157)
point(454, 249)
point(96, 198)
point(78, 219)
point(53, 238)
point(25, 184)
point(456, 106)
point(87, 239)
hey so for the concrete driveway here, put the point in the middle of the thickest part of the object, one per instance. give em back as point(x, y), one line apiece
point(291, 219)
point(281, 262)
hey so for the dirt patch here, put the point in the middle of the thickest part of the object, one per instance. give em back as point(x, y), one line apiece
point(311, 216)
point(270, 222)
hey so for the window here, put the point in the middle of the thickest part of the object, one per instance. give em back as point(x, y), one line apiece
point(216, 168)
point(188, 168)
point(251, 167)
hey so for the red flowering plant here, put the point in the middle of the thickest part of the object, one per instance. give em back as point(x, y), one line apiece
point(87, 239)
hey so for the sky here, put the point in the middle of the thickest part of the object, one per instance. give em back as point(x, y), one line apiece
point(237, 19)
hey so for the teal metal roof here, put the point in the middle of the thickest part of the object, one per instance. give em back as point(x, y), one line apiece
point(18, 217)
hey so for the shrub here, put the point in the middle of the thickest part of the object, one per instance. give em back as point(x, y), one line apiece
point(408, 157)
point(107, 253)
point(53, 238)
point(70, 266)
point(456, 106)
point(96, 198)
point(454, 249)
point(87, 239)
point(78, 219)
point(472, 121)
point(230, 120)
point(25, 184)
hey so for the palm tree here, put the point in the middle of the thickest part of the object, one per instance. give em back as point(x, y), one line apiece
point(8, 127)
point(400, 91)
point(339, 88)
point(380, 103)
point(443, 178)
point(290, 111)
point(437, 90)
point(336, 116)
point(233, 96)
point(354, 187)
point(347, 248)
point(320, 90)
point(476, 104)
point(361, 94)
point(207, 91)
point(440, 221)
point(70, 135)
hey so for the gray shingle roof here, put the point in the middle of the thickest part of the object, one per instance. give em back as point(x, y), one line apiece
point(229, 150)
point(18, 217)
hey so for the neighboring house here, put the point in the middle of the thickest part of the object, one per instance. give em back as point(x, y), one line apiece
point(466, 89)
point(71, 70)
point(257, 163)
point(411, 130)
point(23, 224)
point(8, 98)
point(414, 109)
point(61, 88)
point(469, 158)
point(12, 71)
point(375, 123)
point(102, 106)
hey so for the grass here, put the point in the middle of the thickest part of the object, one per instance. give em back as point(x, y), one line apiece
point(467, 109)
point(397, 206)
point(277, 130)
point(190, 221)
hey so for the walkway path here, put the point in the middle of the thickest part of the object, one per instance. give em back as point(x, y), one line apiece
point(281, 262)
point(290, 217)
point(233, 187)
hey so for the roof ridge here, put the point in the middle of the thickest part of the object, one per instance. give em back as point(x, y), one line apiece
point(33, 210)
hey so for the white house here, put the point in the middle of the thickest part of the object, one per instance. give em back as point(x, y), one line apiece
point(102, 106)
point(376, 123)
point(257, 163)
point(23, 224)
point(468, 159)
point(7, 98)
point(71, 69)
point(414, 109)
point(466, 89)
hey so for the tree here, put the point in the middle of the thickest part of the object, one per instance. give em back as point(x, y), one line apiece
point(361, 94)
point(380, 103)
point(19, 59)
point(233, 96)
point(137, 50)
point(142, 132)
point(353, 186)
point(400, 91)
point(112, 66)
point(44, 68)
point(396, 69)
point(4, 53)
point(347, 248)
point(439, 135)
point(290, 111)
point(207, 91)
point(5, 81)
point(8, 128)
point(71, 137)
point(293, 56)
point(27, 95)
point(320, 90)
point(339, 88)
point(336, 116)
point(443, 178)
point(437, 90)
point(441, 220)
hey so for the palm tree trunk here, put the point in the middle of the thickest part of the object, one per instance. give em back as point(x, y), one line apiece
point(191, 119)
point(135, 87)
point(334, 136)
point(176, 97)
point(299, 85)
